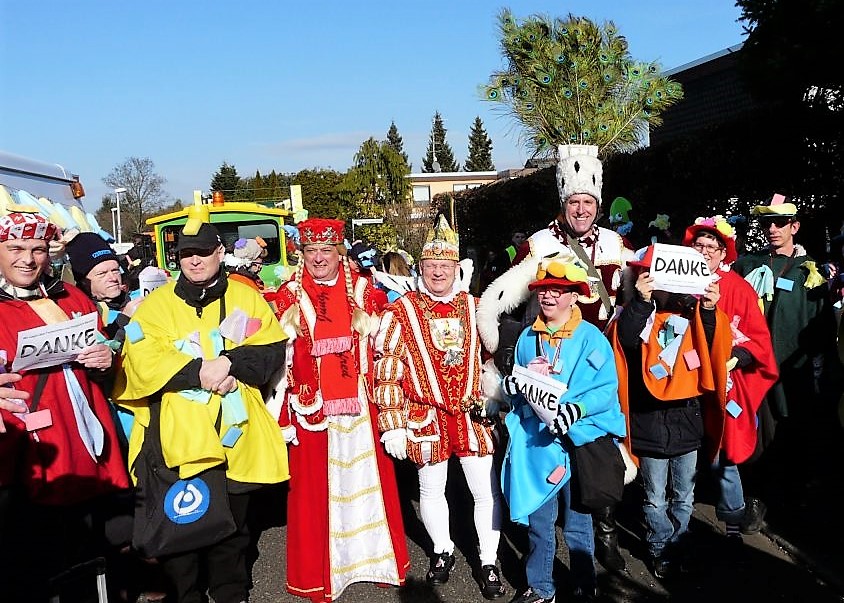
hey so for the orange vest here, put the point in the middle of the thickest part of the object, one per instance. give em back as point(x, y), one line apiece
point(707, 382)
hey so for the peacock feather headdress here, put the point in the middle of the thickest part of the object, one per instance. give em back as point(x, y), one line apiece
point(570, 81)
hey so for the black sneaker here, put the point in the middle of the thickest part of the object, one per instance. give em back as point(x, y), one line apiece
point(662, 567)
point(491, 585)
point(531, 597)
point(441, 564)
point(754, 516)
point(584, 595)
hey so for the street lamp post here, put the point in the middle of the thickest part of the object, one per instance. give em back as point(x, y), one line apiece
point(113, 223)
point(119, 233)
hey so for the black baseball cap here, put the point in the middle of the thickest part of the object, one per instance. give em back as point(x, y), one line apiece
point(207, 238)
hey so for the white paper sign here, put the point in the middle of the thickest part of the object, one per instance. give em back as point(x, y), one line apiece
point(55, 343)
point(679, 269)
point(151, 278)
point(542, 392)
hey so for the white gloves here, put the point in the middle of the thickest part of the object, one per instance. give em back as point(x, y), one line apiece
point(569, 413)
point(491, 383)
point(395, 443)
point(289, 434)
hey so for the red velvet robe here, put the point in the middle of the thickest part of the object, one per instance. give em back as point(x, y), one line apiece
point(310, 571)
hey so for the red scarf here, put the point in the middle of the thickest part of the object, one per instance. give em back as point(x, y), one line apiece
point(332, 347)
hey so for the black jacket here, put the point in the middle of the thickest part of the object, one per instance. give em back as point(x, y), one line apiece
point(658, 428)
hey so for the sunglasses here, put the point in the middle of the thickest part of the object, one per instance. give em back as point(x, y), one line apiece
point(779, 222)
point(203, 253)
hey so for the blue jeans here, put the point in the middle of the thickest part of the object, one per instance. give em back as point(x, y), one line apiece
point(542, 537)
point(730, 506)
point(669, 498)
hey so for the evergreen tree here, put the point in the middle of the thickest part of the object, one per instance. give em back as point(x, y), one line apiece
point(226, 180)
point(480, 149)
point(376, 186)
point(394, 139)
point(438, 145)
point(378, 174)
point(320, 193)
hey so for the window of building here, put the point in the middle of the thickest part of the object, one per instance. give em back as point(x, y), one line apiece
point(463, 187)
point(421, 194)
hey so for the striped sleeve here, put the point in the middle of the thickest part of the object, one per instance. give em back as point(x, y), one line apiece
point(389, 371)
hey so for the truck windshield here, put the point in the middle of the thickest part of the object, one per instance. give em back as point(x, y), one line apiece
point(231, 232)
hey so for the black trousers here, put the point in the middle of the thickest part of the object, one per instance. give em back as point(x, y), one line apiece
point(220, 569)
point(38, 542)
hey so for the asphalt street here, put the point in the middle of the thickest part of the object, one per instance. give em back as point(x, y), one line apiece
point(769, 569)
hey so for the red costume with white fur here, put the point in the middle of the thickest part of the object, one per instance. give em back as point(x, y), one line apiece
point(343, 506)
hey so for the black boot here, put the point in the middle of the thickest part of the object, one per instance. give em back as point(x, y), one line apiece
point(606, 540)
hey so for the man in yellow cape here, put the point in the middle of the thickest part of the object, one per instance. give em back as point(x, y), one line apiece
point(197, 352)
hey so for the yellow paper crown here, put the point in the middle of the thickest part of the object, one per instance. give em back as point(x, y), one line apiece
point(558, 268)
point(778, 206)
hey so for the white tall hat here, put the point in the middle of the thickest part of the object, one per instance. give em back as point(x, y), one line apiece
point(579, 171)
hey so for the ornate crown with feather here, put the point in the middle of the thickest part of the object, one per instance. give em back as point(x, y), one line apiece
point(441, 242)
point(570, 81)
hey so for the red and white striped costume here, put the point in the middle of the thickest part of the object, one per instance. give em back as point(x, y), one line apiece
point(427, 377)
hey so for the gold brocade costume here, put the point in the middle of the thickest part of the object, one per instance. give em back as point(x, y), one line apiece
point(428, 377)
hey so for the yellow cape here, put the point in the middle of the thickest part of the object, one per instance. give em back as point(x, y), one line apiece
point(188, 436)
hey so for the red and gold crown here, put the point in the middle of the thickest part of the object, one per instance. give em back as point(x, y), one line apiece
point(441, 242)
point(321, 231)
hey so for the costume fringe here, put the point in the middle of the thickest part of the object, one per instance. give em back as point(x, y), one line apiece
point(341, 406)
point(331, 345)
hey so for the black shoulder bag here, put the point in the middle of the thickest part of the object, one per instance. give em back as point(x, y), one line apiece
point(172, 515)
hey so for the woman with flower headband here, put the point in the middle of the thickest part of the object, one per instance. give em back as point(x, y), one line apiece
point(537, 467)
point(752, 371)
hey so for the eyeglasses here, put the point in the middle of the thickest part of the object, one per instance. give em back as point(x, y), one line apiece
point(189, 253)
point(707, 247)
point(553, 293)
point(779, 222)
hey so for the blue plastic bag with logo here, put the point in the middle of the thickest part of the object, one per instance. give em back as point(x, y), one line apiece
point(173, 515)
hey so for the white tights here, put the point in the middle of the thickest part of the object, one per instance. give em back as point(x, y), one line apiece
point(483, 484)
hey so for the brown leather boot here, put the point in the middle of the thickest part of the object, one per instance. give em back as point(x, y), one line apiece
point(606, 540)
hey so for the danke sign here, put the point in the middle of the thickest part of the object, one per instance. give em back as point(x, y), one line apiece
point(679, 269)
point(55, 343)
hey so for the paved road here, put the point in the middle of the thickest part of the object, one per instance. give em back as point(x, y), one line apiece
point(768, 573)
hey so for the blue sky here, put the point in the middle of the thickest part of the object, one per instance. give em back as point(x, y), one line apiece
point(281, 85)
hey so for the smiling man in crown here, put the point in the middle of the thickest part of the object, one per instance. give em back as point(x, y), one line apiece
point(431, 404)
